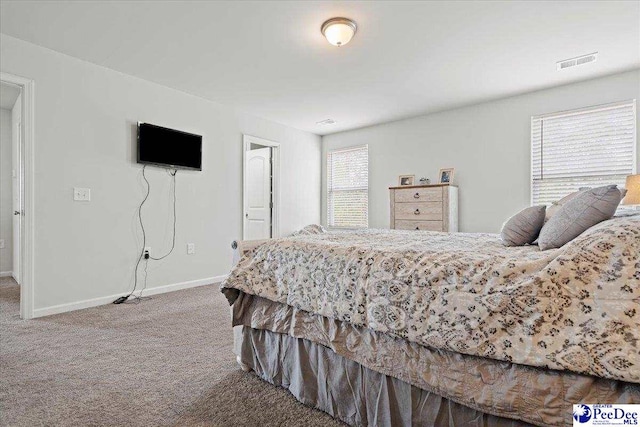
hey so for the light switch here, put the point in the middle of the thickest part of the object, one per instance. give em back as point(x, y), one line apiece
point(1, 243)
point(81, 194)
point(191, 248)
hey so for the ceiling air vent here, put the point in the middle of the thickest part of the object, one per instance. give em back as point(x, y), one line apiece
point(326, 122)
point(580, 60)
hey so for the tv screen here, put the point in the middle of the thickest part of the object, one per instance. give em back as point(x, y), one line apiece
point(168, 147)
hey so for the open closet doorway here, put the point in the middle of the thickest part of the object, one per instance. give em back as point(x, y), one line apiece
point(16, 120)
point(260, 188)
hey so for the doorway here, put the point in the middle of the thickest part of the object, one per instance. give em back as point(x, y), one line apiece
point(16, 136)
point(260, 188)
point(10, 182)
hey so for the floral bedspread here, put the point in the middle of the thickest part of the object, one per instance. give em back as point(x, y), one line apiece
point(576, 308)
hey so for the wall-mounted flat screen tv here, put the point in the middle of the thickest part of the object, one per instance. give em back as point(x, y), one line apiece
point(169, 148)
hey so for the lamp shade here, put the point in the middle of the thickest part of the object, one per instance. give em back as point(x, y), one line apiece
point(339, 31)
point(633, 190)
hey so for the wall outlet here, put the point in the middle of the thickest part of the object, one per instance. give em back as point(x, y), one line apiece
point(1, 243)
point(81, 194)
point(147, 251)
point(191, 248)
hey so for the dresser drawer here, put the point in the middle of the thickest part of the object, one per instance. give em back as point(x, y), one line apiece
point(431, 211)
point(424, 207)
point(418, 195)
point(419, 225)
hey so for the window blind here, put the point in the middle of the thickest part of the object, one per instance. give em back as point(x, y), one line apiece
point(590, 147)
point(348, 187)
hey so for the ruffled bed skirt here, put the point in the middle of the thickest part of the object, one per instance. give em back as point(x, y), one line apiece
point(348, 391)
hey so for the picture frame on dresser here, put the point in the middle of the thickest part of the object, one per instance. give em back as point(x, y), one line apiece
point(424, 207)
point(445, 176)
point(404, 180)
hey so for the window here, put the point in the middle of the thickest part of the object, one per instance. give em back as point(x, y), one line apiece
point(348, 187)
point(590, 147)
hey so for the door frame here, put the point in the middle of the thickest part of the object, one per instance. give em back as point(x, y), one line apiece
point(247, 140)
point(27, 222)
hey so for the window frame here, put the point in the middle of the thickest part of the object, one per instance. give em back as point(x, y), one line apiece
point(578, 111)
point(330, 153)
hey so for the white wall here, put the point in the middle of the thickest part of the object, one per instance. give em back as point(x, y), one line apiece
point(85, 133)
point(488, 144)
point(6, 217)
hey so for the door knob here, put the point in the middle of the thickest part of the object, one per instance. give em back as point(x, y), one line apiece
point(16, 212)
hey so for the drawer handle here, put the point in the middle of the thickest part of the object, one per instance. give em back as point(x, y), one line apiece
point(416, 196)
point(416, 212)
point(417, 228)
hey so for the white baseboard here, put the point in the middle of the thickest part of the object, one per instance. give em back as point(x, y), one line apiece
point(6, 273)
point(94, 302)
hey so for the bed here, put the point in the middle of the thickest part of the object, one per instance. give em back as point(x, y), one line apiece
point(387, 327)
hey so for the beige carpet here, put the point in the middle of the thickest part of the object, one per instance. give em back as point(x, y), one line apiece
point(166, 361)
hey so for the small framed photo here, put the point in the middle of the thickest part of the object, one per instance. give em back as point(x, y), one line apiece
point(445, 176)
point(406, 179)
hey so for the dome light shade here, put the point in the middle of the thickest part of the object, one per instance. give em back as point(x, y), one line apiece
point(339, 31)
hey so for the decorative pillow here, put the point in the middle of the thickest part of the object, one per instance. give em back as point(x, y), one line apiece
point(623, 192)
point(581, 212)
point(523, 227)
point(555, 207)
point(310, 229)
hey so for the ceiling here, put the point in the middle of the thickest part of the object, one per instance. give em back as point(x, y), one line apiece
point(8, 95)
point(269, 58)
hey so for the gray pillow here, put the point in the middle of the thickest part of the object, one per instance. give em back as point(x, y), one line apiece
point(583, 211)
point(523, 227)
point(623, 193)
point(555, 207)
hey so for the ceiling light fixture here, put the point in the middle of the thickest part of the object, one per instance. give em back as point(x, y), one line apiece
point(339, 31)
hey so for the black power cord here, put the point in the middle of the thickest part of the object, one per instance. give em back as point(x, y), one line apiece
point(138, 299)
point(144, 254)
point(173, 242)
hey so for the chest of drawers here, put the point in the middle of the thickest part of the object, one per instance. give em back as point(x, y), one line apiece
point(424, 207)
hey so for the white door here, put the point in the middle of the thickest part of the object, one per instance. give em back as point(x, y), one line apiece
point(257, 215)
point(17, 198)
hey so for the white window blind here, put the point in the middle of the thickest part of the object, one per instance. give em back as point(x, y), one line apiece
point(590, 147)
point(348, 187)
